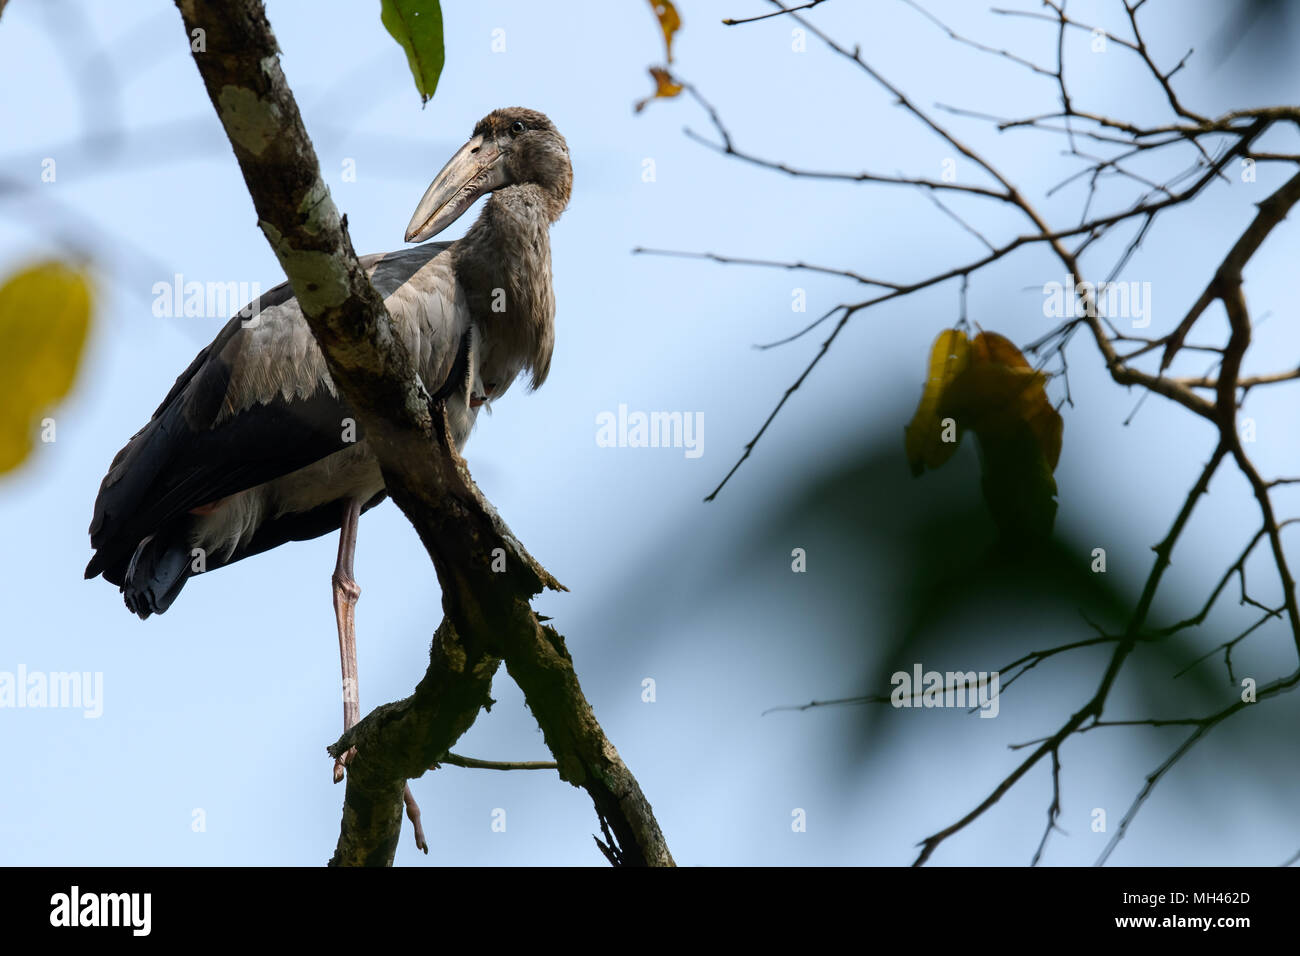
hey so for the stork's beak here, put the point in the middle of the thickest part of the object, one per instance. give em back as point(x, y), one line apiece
point(474, 170)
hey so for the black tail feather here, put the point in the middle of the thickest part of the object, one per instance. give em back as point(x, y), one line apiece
point(157, 572)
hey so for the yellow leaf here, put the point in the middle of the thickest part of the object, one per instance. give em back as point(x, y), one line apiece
point(665, 87)
point(44, 318)
point(991, 347)
point(989, 388)
point(923, 438)
point(669, 22)
point(999, 393)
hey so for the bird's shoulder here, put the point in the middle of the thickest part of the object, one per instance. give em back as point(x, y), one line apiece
point(429, 266)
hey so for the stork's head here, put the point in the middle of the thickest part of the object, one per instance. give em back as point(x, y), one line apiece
point(510, 147)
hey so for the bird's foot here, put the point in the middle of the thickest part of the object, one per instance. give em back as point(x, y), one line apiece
point(340, 763)
point(413, 814)
point(408, 798)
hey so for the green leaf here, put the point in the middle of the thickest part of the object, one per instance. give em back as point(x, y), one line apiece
point(1018, 485)
point(44, 318)
point(417, 26)
point(999, 392)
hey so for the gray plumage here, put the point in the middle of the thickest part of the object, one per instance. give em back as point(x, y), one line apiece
point(249, 448)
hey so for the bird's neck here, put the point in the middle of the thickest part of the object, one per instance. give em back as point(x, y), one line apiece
point(504, 265)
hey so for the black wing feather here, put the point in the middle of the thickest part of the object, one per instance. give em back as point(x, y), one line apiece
point(194, 452)
point(180, 461)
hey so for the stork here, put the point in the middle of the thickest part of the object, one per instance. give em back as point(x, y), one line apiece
point(254, 447)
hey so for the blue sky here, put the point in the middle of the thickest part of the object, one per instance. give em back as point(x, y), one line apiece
point(224, 705)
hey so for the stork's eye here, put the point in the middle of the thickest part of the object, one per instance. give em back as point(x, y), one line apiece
point(517, 127)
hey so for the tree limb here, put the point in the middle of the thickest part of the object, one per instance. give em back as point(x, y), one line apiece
point(488, 615)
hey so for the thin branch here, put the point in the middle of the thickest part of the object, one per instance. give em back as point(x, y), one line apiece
point(1053, 808)
point(765, 16)
point(767, 263)
point(1203, 725)
point(861, 177)
point(1271, 212)
point(975, 44)
point(1250, 381)
point(472, 763)
point(1093, 708)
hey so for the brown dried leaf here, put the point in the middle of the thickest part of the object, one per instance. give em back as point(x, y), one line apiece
point(669, 22)
point(665, 87)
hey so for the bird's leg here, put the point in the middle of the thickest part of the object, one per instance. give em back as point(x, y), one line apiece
point(413, 814)
point(346, 594)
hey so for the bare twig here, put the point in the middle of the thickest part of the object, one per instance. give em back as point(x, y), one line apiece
point(1204, 146)
point(456, 760)
point(766, 16)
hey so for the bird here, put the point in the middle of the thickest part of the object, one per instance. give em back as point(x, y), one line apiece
point(254, 447)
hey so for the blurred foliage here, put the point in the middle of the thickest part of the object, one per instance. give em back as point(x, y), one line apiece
point(1260, 30)
point(900, 572)
point(946, 561)
point(923, 575)
point(986, 386)
point(44, 320)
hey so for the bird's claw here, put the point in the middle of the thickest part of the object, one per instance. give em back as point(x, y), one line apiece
point(340, 763)
point(413, 814)
point(408, 798)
